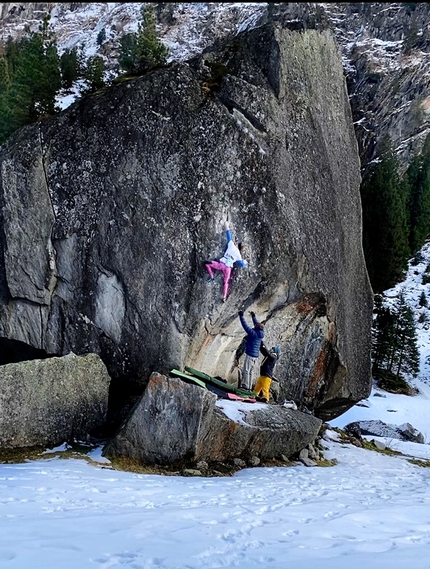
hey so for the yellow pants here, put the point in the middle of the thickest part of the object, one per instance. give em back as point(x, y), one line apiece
point(263, 384)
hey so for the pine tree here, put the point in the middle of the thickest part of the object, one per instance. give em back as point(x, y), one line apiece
point(394, 340)
point(385, 222)
point(94, 74)
point(127, 54)
point(418, 178)
point(101, 36)
point(382, 335)
point(406, 357)
point(36, 78)
point(4, 76)
point(50, 80)
point(142, 51)
point(150, 51)
point(12, 55)
point(71, 67)
point(6, 118)
point(423, 299)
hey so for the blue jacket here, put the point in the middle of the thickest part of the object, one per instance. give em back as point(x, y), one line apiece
point(253, 338)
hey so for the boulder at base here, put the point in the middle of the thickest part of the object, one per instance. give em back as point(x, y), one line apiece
point(47, 402)
point(175, 423)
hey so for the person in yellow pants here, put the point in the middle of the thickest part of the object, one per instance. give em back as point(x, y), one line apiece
point(262, 387)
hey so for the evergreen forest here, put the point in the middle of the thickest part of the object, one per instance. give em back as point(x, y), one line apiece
point(33, 74)
point(395, 352)
point(396, 215)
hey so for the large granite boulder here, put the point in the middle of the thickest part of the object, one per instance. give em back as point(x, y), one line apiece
point(377, 428)
point(51, 401)
point(110, 209)
point(178, 423)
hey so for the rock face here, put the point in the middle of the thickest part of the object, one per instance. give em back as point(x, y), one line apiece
point(175, 423)
point(110, 210)
point(47, 402)
point(384, 48)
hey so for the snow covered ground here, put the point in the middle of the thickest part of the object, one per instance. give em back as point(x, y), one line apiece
point(369, 510)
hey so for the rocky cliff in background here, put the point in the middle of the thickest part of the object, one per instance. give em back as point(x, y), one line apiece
point(384, 47)
point(110, 210)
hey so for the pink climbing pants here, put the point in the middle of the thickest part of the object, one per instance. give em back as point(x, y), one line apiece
point(226, 271)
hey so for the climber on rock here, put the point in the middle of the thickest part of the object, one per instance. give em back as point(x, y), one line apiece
point(232, 255)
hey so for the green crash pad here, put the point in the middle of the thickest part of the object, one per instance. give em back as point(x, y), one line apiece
point(187, 377)
point(218, 383)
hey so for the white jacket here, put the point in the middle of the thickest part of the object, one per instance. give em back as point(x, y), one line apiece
point(231, 255)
